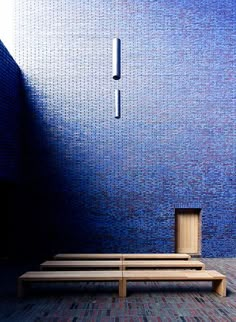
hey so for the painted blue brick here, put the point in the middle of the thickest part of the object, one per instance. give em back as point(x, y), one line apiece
point(9, 117)
point(101, 184)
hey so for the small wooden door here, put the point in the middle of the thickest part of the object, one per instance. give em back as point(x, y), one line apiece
point(187, 231)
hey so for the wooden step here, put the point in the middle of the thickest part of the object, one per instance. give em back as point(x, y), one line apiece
point(218, 280)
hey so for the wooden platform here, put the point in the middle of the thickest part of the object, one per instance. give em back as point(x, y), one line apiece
point(26, 279)
point(218, 280)
point(124, 264)
point(172, 256)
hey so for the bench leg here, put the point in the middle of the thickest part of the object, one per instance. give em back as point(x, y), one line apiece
point(20, 289)
point(219, 286)
point(122, 288)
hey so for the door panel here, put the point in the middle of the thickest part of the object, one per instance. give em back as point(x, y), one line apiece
point(187, 231)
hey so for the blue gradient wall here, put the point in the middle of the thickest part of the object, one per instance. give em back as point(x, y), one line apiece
point(10, 90)
point(10, 147)
point(99, 184)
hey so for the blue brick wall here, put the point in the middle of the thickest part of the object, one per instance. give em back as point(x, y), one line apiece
point(99, 184)
point(10, 80)
point(10, 147)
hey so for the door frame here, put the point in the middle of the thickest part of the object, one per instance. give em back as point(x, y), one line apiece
point(197, 211)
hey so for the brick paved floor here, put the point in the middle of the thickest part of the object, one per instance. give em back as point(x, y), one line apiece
point(99, 302)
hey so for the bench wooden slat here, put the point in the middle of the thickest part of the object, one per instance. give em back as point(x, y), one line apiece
point(65, 276)
point(125, 264)
point(169, 275)
point(156, 256)
point(81, 264)
point(215, 274)
point(71, 275)
point(88, 256)
point(163, 264)
point(218, 280)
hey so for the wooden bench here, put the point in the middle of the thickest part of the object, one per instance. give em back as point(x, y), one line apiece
point(156, 257)
point(125, 264)
point(88, 257)
point(218, 280)
point(122, 256)
point(84, 264)
point(26, 279)
point(162, 264)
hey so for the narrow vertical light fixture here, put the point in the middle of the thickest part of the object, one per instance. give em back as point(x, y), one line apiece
point(117, 103)
point(116, 56)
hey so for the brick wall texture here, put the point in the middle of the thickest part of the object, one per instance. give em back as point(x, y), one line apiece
point(10, 80)
point(100, 184)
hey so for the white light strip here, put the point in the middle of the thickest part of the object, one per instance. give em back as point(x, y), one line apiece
point(116, 56)
point(117, 103)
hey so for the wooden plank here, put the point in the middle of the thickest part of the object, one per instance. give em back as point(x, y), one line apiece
point(57, 264)
point(187, 232)
point(160, 256)
point(169, 275)
point(67, 276)
point(21, 288)
point(71, 275)
point(215, 274)
point(218, 286)
point(153, 275)
point(163, 264)
point(81, 264)
point(218, 280)
point(88, 256)
point(123, 288)
point(123, 264)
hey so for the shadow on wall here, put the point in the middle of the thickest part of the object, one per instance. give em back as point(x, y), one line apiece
point(36, 211)
point(46, 208)
point(8, 202)
point(10, 116)
point(50, 214)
